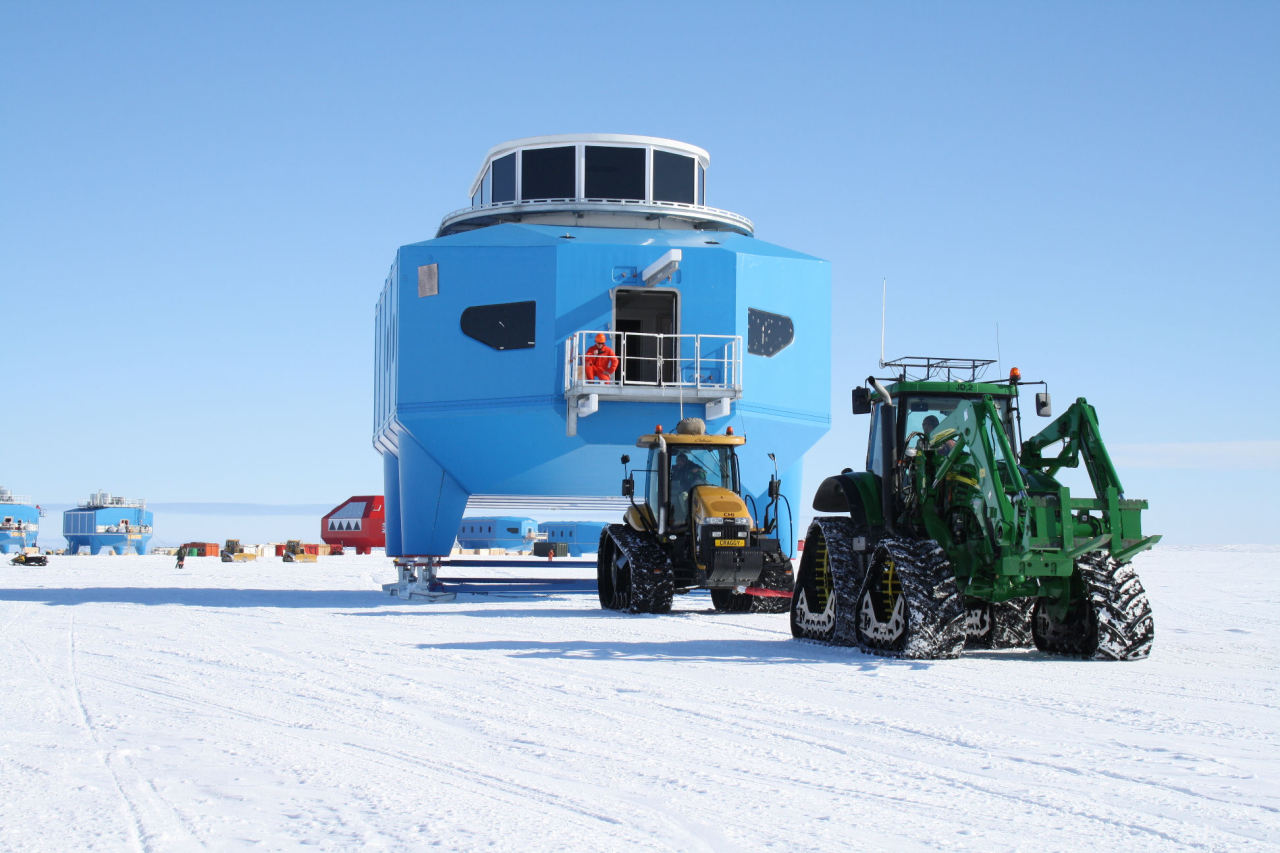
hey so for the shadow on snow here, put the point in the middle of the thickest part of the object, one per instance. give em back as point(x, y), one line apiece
point(200, 596)
point(782, 650)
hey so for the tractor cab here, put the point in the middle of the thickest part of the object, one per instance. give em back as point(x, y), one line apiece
point(919, 410)
point(687, 478)
point(913, 409)
point(924, 409)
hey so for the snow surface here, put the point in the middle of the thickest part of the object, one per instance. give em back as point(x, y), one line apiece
point(278, 705)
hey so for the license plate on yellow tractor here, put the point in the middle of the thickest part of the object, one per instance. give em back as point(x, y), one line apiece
point(731, 543)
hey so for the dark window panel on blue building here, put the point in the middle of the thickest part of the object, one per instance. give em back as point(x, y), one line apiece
point(507, 325)
point(768, 334)
point(673, 177)
point(504, 178)
point(546, 173)
point(615, 173)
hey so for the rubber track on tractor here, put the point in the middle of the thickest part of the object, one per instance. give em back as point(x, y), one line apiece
point(847, 572)
point(1006, 625)
point(934, 608)
point(1113, 622)
point(652, 577)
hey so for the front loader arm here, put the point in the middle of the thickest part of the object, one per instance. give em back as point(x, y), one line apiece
point(999, 491)
point(1077, 428)
point(1118, 523)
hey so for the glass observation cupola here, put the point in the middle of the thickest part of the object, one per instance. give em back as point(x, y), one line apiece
point(586, 294)
point(592, 179)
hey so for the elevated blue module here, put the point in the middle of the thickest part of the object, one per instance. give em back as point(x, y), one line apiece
point(508, 531)
point(106, 521)
point(489, 377)
point(582, 537)
point(19, 522)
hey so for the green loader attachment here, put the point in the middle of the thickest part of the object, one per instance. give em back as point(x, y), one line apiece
point(951, 538)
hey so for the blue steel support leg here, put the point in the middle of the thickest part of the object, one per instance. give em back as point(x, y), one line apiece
point(431, 507)
point(391, 504)
point(431, 503)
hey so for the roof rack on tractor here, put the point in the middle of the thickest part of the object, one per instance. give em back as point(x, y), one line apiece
point(923, 368)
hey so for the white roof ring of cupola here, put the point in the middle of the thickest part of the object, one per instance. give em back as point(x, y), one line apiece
point(593, 179)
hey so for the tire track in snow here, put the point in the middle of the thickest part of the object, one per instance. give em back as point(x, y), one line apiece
point(943, 778)
point(133, 820)
point(452, 774)
point(158, 811)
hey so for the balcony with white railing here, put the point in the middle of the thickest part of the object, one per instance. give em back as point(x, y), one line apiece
point(650, 368)
point(123, 528)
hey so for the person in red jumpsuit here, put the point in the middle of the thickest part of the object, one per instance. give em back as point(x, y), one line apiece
point(601, 361)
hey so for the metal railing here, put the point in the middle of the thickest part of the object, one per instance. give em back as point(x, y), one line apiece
point(710, 363)
point(671, 208)
point(123, 528)
point(104, 500)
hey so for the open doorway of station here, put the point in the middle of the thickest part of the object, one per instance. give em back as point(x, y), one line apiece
point(649, 320)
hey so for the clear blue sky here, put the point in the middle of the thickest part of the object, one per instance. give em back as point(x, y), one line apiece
point(199, 203)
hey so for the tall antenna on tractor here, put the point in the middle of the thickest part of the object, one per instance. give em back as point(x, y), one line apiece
point(884, 293)
point(999, 366)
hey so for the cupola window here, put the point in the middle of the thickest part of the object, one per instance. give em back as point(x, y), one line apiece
point(615, 173)
point(546, 173)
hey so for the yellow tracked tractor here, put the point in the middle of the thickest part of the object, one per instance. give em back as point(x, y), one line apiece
point(693, 530)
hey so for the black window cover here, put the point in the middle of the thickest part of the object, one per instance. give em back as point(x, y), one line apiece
point(768, 334)
point(504, 178)
point(507, 325)
point(615, 172)
point(672, 177)
point(546, 173)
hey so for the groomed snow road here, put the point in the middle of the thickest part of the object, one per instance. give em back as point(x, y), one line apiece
point(276, 706)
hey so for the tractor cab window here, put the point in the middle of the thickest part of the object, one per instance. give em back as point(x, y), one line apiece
point(701, 466)
point(692, 467)
point(923, 413)
point(689, 467)
point(875, 450)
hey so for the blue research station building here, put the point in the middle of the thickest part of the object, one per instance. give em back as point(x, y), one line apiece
point(504, 531)
point(481, 334)
point(581, 537)
point(519, 533)
point(19, 522)
point(107, 521)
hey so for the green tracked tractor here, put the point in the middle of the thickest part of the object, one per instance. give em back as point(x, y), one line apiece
point(950, 538)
